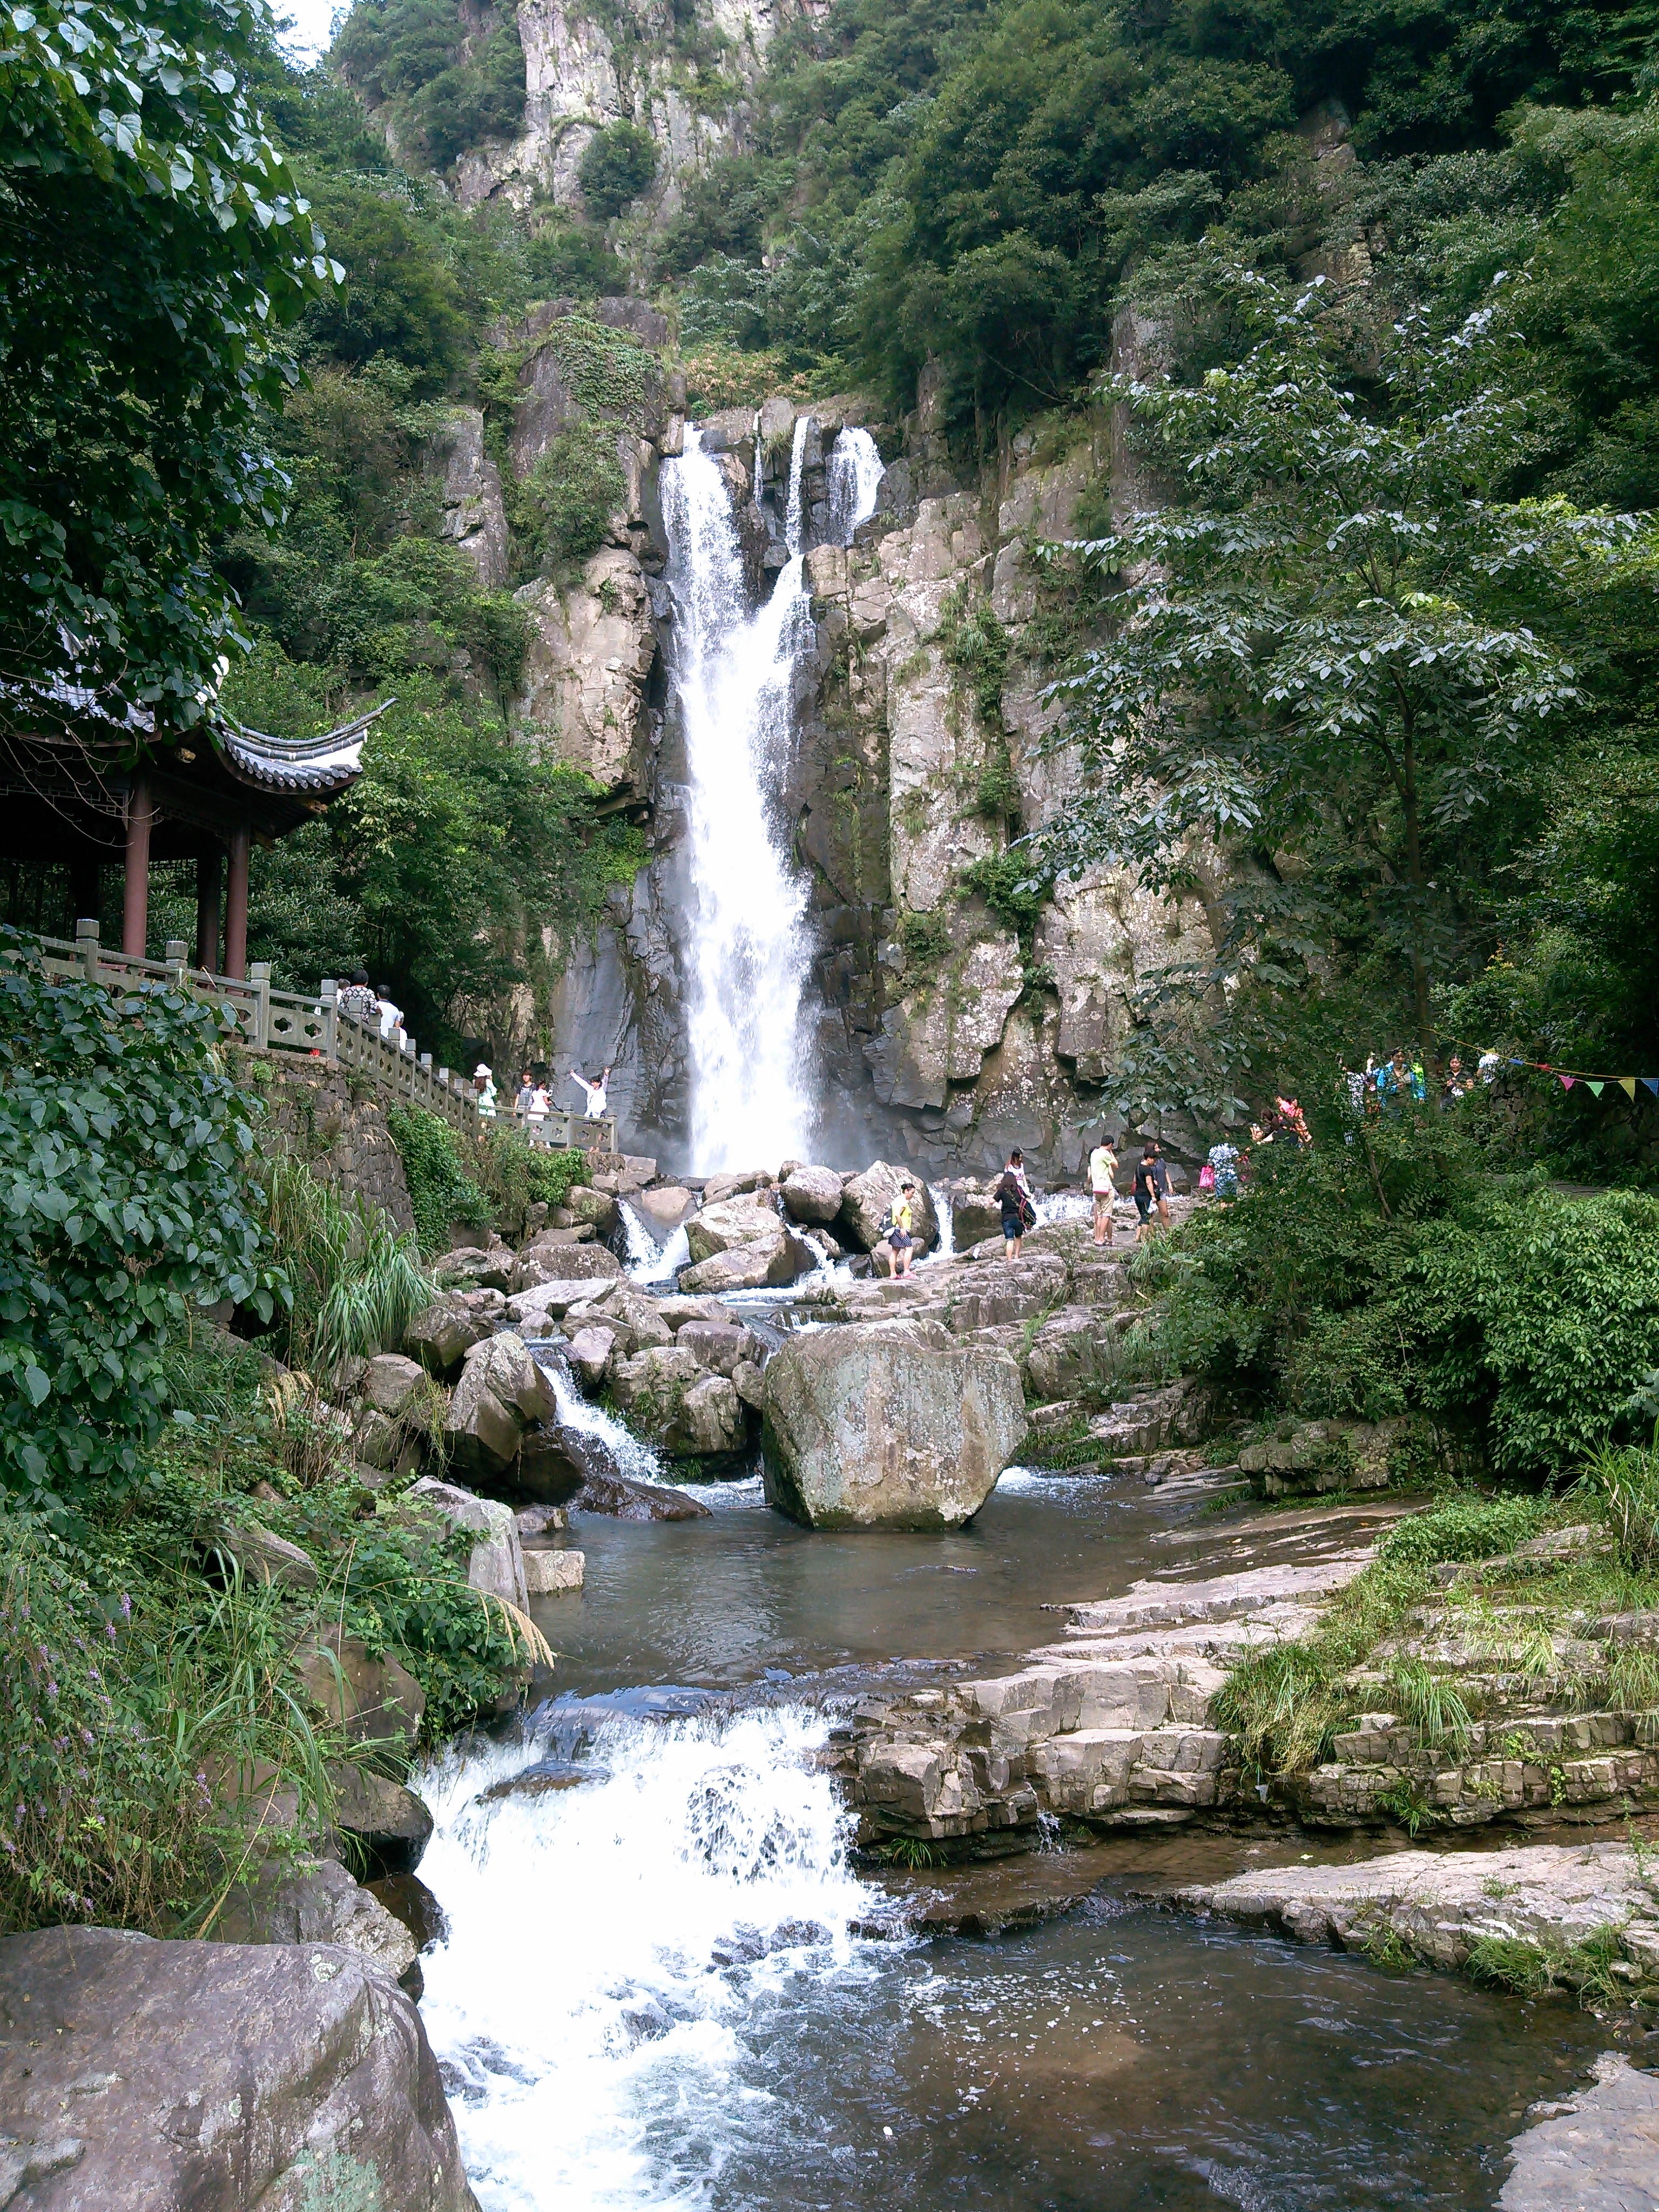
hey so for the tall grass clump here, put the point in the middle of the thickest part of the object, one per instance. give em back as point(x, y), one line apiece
point(356, 1283)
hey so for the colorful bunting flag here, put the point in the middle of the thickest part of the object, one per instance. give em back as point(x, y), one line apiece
point(1652, 1082)
point(1567, 1082)
point(1627, 1085)
point(1595, 1088)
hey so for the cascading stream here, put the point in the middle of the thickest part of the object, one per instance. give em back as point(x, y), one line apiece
point(610, 1942)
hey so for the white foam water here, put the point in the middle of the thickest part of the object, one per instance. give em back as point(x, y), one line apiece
point(747, 950)
point(593, 2004)
point(943, 1208)
point(625, 1453)
point(856, 475)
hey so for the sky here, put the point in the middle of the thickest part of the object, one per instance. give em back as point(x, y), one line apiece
point(313, 22)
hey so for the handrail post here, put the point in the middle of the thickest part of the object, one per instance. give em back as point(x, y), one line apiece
point(178, 958)
point(259, 977)
point(330, 1002)
point(86, 944)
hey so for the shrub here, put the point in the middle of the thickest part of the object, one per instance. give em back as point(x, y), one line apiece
point(565, 505)
point(441, 1191)
point(122, 1147)
point(617, 165)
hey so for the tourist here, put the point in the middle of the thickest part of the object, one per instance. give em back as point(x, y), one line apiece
point(541, 1105)
point(1224, 1170)
point(901, 1236)
point(1457, 1085)
point(1013, 1195)
point(596, 1093)
point(358, 1002)
point(1145, 1191)
point(484, 1083)
point(527, 1092)
point(1161, 1184)
point(391, 1022)
point(1103, 1185)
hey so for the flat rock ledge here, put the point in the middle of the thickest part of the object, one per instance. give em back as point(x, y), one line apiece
point(214, 2077)
point(1580, 1913)
point(1112, 1726)
point(1597, 2151)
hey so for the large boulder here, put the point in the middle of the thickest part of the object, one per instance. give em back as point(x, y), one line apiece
point(719, 1346)
point(374, 1701)
point(501, 1391)
point(892, 1424)
point(865, 1201)
point(476, 1267)
point(536, 1312)
point(597, 1208)
point(495, 1563)
point(549, 1574)
point(767, 1264)
point(389, 1824)
point(665, 1208)
point(220, 2076)
point(315, 1902)
point(441, 1335)
point(259, 1555)
point(732, 1222)
point(565, 1262)
point(813, 1194)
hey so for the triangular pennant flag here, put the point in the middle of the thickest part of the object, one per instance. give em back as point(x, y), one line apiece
point(1595, 1089)
point(1567, 1082)
point(1652, 1082)
point(1627, 1085)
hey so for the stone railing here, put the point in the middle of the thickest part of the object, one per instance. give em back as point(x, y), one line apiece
point(312, 1024)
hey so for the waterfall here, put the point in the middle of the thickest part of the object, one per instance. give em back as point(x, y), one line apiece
point(855, 472)
point(748, 951)
point(792, 510)
point(942, 1206)
point(599, 2008)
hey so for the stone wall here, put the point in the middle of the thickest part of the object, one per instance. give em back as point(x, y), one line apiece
point(314, 1112)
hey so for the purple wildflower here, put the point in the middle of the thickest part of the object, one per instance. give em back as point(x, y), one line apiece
point(86, 1735)
point(91, 1674)
point(109, 1630)
point(126, 1607)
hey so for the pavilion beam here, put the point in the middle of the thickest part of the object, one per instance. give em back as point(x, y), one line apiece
point(134, 905)
point(236, 906)
point(208, 868)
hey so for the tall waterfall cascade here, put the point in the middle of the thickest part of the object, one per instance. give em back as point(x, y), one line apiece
point(747, 948)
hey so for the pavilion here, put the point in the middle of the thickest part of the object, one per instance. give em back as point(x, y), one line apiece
point(79, 791)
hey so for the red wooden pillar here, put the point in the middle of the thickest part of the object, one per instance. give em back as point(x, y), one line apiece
point(236, 907)
point(206, 909)
point(135, 908)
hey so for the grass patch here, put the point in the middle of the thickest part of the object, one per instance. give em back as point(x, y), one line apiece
point(1531, 1970)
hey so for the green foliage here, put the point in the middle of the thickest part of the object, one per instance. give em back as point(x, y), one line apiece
point(156, 246)
point(975, 649)
point(448, 93)
point(1386, 1273)
point(516, 1174)
point(123, 1150)
point(400, 297)
point(1016, 888)
point(1624, 1484)
point(564, 506)
point(925, 940)
point(355, 1284)
point(617, 165)
point(1341, 610)
point(442, 1192)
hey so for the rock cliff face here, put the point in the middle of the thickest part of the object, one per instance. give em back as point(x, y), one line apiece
point(948, 1021)
point(681, 74)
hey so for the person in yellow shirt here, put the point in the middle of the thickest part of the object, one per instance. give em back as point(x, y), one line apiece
point(1102, 1183)
point(901, 1237)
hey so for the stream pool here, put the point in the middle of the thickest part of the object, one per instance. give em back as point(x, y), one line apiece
point(663, 1984)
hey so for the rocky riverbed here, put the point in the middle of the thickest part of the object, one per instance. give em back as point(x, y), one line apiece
point(574, 1384)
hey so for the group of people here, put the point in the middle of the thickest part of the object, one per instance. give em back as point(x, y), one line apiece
point(1149, 1186)
point(534, 1101)
point(359, 1002)
point(1387, 1086)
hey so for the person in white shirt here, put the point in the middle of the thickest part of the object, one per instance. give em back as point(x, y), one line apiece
point(540, 1106)
point(485, 1083)
point(1102, 1183)
point(595, 1106)
point(392, 1019)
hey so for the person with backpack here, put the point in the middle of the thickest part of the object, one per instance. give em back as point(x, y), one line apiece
point(1013, 1196)
point(900, 1228)
point(1147, 1193)
point(1103, 1185)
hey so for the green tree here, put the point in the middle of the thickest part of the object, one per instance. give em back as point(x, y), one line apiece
point(153, 246)
point(616, 166)
point(1334, 656)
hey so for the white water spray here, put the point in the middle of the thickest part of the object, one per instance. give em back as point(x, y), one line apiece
point(622, 1450)
point(608, 2051)
point(748, 951)
point(855, 472)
